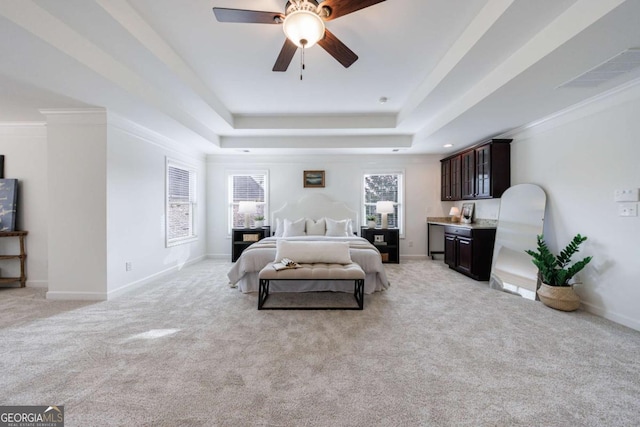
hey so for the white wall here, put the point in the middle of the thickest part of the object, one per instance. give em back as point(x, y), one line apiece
point(579, 159)
point(25, 149)
point(136, 206)
point(77, 211)
point(343, 181)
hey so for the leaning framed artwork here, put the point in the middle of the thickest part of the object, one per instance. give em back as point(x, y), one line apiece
point(467, 213)
point(313, 179)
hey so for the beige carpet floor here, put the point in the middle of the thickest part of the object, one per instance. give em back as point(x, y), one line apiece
point(436, 349)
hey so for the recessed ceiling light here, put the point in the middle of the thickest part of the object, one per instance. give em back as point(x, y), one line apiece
point(383, 100)
point(448, 145)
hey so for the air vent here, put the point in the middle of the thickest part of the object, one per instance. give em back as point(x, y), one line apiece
point(620, 64)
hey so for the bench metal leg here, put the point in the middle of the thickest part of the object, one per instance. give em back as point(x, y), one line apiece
point(358, 293)
point(263, 293)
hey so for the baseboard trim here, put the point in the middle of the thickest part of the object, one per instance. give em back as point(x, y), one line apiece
point(145, 280)
point(614, 317)
point(219, 256)
point(76, 296)
point(414, 257)
point(42, 284)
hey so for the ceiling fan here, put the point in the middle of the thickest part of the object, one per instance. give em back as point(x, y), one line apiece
point(303, 24)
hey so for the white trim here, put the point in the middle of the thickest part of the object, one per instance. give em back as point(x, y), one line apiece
point(617, 95)
point(41, 284)
point(614, 317)
point(401, 194)
point(234, 172)
point(127, 287)
point(170, 162)
point(76, 296)
point(149, 136)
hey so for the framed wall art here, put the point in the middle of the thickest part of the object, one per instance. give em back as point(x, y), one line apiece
point(313, 179)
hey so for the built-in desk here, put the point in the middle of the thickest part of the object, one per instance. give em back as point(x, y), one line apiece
point(468, 248)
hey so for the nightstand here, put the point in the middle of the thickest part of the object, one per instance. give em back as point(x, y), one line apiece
point(242, 238)
point(387, 240)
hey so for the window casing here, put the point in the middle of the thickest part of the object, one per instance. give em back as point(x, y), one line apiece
point(384, 186)
point(180, 208)
point(252, 186)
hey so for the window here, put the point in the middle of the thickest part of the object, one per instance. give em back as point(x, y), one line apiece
point(384, 187)
point(251, 186)
point(181, 201)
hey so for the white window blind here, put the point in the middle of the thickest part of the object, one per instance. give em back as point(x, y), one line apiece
point(247, 186)
point(181, 200)
point(378, 187)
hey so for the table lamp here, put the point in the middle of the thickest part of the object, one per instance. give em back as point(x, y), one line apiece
point(384, 208)
point(247, 208)
point(455, 214)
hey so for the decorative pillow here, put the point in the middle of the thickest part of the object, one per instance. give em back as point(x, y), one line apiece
point(337, 228)
point(316, 228)
point(313, 252)
point(350, 227)
point(292, 228)
point(279, 228)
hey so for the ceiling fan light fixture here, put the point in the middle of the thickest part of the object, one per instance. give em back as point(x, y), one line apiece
point(303, 27)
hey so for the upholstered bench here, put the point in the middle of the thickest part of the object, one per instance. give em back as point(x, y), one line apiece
point(317, 271)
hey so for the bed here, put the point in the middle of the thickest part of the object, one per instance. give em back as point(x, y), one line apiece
point(313, 210)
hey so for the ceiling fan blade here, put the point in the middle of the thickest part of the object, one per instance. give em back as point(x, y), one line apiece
point(337, 49)
point(247, 16)
point(344, 7)
point(286, 55)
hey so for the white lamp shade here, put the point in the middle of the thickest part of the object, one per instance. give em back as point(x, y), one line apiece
point(303, 25)
point(454, 211)
point(247, 207)
point(384, 207)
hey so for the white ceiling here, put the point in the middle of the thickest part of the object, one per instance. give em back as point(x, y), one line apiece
point(454, 71)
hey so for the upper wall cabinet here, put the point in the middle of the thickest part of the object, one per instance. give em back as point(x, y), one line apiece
point(480, 172)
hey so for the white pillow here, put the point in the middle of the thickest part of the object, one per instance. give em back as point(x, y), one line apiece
point(316, 228)
point(350, 227)
point(337, 228)
point(313, 252)
point(292, 228)
point(279, 228)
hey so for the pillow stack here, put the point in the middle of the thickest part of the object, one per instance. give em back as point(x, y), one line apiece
point(310, 227)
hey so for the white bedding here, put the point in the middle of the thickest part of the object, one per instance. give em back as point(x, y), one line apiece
point(245, 271)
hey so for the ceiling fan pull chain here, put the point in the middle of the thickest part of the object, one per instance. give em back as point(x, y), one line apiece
point(302, 62)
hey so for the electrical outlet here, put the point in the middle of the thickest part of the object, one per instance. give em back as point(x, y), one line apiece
point(410, 243)
point(628, 209)
point(626, 195)
point(128, 266)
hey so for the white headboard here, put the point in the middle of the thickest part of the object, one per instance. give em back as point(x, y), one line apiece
point(316, 206)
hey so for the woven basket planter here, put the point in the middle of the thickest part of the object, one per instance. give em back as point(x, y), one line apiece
point(559, 297)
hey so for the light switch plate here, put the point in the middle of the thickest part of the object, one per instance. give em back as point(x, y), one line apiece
point(626, 195)
point(628, 209)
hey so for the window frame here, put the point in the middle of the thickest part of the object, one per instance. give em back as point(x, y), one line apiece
point(193, 199)
point(230, 203)
point(399, 203)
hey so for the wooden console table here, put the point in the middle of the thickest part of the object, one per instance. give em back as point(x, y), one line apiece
point(22, 257)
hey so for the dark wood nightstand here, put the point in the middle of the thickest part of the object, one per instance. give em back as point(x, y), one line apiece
point(387, 240)
point(242, 238)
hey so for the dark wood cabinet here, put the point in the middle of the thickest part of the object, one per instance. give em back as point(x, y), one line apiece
point(468, 175)
point(242, 238)
point(483, 172)
point(451, 175)
point(387, 240)
point(469, 250)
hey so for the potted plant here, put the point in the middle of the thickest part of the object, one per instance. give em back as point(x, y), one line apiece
point(555, 272)
point(259, 221)
point(371, 221)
